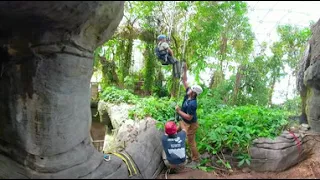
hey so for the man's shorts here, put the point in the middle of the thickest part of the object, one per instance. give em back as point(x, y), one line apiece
point(172, 166)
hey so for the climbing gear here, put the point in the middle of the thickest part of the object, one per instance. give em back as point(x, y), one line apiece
point(132, 167)
point(181, 65)
point(164, 56)
point(126, 158)
point(106, 157)
point(176, 69)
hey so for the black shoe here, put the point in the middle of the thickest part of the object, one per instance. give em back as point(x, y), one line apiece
point(173, 171)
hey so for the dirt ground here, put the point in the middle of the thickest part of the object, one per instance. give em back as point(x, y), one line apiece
point(308, 169)
point(97, 131)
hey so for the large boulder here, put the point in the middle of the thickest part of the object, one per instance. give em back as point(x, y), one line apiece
point(280, 153)
point(310, 88)
point(46, 59)
point(139, 138)
point(145, 152)
point(113, 115)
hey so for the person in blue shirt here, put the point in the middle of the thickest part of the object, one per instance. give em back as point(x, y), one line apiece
point(188, 113)
point(174, 146)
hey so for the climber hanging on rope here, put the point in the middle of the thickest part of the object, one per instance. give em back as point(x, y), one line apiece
point(164, 52)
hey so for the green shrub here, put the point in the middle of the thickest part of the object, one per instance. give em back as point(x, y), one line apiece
point(234, 128)
point(161, 109)
point(115, 95)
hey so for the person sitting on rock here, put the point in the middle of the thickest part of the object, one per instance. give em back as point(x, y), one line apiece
point(174, 147)
point(164, 52)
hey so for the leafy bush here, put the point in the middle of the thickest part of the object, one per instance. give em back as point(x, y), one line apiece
point(161, 109)
point(115, 95)
point(293, 106)
point(234, 128)
point(222, 127)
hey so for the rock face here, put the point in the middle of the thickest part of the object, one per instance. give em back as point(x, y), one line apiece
point(279, 154)
point(310, 89)
point(46, 66)
point(113, 115)
point(139, 138)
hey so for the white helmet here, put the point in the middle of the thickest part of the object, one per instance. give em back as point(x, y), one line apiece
point(197, 89)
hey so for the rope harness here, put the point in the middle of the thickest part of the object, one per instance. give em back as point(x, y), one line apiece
point(126, 158)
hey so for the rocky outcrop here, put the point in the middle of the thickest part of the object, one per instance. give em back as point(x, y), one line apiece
point(280, 153)
point(310, 89)
point(46, 65)
point(301, 87)
point(139, 138)
point(145, 152)
point(113, 115)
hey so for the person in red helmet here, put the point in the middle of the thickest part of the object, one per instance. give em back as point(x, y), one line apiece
point(174, 146)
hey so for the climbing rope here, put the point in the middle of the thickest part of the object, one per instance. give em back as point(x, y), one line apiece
point(171, 20)
point(185, 33)
point(298, 144)
point(183, 54)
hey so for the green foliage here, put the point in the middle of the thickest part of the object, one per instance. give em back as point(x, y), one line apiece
point(149, 70)
point(293, 40)
point(234, 128)
point(161, 109)
point(293, 106)
point(214, 98)
point(115, 95)
point(219, 30)
point(253, 87)
point(131, 81)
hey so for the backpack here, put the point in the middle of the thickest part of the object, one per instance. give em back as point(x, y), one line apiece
point(161, 54)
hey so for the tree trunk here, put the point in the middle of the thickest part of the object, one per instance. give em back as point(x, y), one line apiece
point(109, 75)
point(216, 79)
point(271, 90)
point(175, 81)
point(288, 87)
point(149, 72)
point(223, 51)
point(127, 60)
point(237, 85)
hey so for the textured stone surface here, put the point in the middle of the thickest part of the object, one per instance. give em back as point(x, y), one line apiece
point(146, 152)
point(309, 87)
point(140, 139)
point(104, 116)
point(46, 66)
point(278, 154)
point(301, 87)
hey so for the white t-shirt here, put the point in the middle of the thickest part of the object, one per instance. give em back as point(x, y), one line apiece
point(163, 46)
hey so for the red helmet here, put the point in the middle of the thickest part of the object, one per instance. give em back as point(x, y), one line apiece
point(170, 127)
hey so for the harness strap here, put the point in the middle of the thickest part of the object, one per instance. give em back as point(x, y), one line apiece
point(163, 49)
point(126, 158)
point(129, 162)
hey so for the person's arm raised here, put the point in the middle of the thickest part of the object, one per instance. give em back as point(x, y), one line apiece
point(184, 76)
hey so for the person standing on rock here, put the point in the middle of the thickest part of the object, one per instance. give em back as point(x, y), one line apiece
point(188, 113)
point(174, 146)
